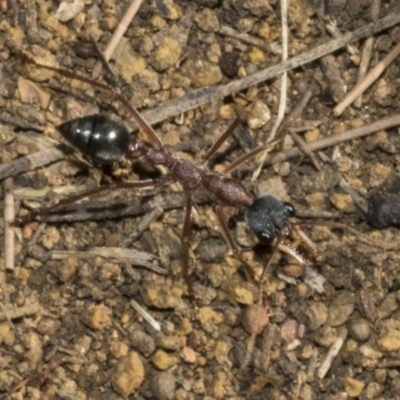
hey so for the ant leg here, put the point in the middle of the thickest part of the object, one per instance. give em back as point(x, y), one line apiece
point(299, 233)
point(32, 216)
point(222, 139)
point(115, 91)
point(292, 253)
point(274, 248)
point(241, 160)
point(185, 241)
point(229, 239)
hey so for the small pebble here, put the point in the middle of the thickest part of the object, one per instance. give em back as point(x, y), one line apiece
point(317, 314)
point(48, 326)
point(32, 94)
point(343, 202)
point(341, 308)
point(163, 360)
point(390, 341)
point(162, 385)
point(325, 336)
point(166, 55)
point(218, 385)
point(142, 342)
point(161, 296)
point(251, 315)
point(388, 305)
point(4, 330)
point(378, 173)
point(202, 72)
point(242, 295)
point(99, 317)
point(221, 351)
point(208, 318)
point(128, 375)
point(289, 330)
point(118, 349)
point(230, 63)
point(207, 20)
point(188, 355)
point(67, 269)
point(353, 386)
point(258, 114)
point(358, 329)
point(255, 55)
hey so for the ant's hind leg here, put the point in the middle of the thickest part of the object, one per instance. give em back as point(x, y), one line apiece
point(229, 239)
point(34, 215)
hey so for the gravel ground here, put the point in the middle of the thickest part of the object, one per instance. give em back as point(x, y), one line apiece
point(68, 329)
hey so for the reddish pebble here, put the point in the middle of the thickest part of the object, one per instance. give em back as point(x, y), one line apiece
point(289, 330)
point(254, 319)
point(188, 355)
point(48, 326)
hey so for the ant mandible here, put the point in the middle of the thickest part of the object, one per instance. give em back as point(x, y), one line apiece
point(107, 141)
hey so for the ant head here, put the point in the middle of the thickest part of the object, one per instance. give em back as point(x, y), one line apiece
point(102, 139)
point(267, 215)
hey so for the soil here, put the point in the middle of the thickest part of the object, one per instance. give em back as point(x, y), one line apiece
point(68, 329)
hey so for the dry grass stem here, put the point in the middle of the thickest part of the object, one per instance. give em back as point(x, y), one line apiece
point(9, 216)
point(370, 78)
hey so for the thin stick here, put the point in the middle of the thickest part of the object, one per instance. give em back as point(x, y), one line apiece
point(145, 315)
point(334, 31)
point(134, 257)
point(364, 63)
point(246, 38)
point(14, 313)
point(333, 140)
point(367, 49)
point(303, 147)
point(35, 160)
point(282, 99)
point(117, 35)
point(358, 200)
point(142, 226)
point(332, 353)
point(9, 215)
point(371, 77)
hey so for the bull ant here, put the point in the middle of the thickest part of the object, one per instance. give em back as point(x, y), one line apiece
point(108, 141)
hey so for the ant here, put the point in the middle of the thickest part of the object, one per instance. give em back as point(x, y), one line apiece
point(108, 141)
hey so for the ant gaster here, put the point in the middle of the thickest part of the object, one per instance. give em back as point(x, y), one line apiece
point(107, 141)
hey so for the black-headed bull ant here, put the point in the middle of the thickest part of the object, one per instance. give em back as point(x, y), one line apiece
point(108, 141)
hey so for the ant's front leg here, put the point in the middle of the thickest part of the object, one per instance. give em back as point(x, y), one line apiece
point(229, 239)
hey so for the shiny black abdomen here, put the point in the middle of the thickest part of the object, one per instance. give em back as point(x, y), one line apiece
point(102, 139)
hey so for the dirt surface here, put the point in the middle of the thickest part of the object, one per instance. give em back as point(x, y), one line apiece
point(68, 329)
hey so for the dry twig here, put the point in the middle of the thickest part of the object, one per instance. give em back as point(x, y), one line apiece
point(114, 253)
point(9, 216)
point(367, 49)
point(117, 35)
point(370, 78)
point(332, 353)
point(333, 140)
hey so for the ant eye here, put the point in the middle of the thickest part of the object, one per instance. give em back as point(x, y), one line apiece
point(266, 237)
point(289, 209)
